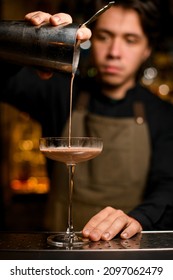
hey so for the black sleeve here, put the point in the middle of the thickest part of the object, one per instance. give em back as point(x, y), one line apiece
point(156, 210)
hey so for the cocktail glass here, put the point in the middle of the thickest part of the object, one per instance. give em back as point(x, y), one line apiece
point(70, 151)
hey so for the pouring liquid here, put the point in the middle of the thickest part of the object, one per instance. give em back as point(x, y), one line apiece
point(71, 155)
point(71, 105)
point(76, 60)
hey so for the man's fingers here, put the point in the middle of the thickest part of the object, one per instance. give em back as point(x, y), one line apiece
point(101, 226)
point(132, 228)
point(83, 34)
point(97, 219)
point(60, 18)
point(37, 18)
point(108, 223)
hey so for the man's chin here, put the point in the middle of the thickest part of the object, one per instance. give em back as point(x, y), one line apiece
point(110, 82)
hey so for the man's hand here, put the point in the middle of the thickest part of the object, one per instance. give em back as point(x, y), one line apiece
point(37, 18)
point(108, 223)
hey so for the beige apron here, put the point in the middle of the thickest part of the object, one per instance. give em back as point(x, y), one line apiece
point(115, 178)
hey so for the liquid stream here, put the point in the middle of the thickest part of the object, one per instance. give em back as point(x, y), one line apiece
point(71, 105)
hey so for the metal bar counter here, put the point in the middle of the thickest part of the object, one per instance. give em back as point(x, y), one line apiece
point(29, 246)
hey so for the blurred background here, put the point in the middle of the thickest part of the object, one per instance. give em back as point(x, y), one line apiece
point(24, 184)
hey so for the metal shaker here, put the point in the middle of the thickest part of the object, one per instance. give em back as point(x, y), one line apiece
point(45, 46)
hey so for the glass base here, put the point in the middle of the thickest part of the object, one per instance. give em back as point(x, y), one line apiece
point(67, 240)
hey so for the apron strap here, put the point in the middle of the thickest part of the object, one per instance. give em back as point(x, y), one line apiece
point(82, 102)
point(139, 112)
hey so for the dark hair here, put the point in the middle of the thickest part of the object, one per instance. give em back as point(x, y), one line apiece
point(147, 10)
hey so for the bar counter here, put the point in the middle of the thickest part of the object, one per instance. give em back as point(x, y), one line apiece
point(29, 246)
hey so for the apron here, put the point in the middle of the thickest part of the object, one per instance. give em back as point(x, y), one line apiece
point(116, 177)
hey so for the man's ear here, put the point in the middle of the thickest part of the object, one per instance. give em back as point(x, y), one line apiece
point(147, 53)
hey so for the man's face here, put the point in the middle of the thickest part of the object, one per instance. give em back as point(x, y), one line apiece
point(119, 46)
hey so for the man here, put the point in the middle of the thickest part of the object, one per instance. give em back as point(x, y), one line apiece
point(129, 187)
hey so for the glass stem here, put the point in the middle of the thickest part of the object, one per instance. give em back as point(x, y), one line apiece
point(71, 170)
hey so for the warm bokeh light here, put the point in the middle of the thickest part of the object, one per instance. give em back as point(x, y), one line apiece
point(31, 185)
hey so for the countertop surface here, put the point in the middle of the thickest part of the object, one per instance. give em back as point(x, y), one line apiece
point(146, 245)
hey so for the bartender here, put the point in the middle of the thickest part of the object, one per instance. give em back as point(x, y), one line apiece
point(129, 187)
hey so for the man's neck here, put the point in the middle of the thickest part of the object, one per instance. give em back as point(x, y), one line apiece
point(117, 92)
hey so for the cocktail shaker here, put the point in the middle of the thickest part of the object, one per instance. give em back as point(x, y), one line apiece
point(45, 46)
